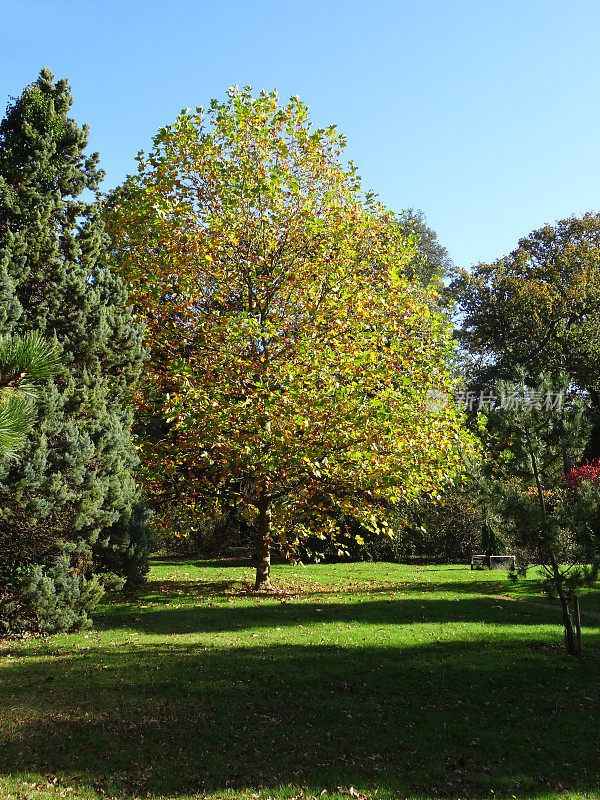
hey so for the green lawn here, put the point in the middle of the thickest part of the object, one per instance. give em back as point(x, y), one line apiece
point(364, 680)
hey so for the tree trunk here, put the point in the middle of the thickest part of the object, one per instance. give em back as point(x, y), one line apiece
point(566, 611)
point(567, 461)
point(263, 547)
point(578, 626)
point(568, 626)
point(556, 574)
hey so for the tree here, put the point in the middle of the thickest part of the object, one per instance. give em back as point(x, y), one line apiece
point(290, 354)
point(75, 478)
point(25, 365)
point(539, 307)
point(431, 261)
point(549, 523)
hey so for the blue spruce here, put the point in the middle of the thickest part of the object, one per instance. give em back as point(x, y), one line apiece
point(69, 507)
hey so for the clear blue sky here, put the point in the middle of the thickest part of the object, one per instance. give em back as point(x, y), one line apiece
point(484, 114)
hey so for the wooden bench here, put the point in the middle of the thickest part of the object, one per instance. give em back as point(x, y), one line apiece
point(481, 561)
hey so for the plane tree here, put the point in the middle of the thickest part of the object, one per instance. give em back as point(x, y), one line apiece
point(291, 357)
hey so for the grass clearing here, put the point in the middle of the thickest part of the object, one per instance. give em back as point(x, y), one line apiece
point(365, 680)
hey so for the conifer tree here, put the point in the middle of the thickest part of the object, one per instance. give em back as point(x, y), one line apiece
point(549, 522)
point(75, 478)
point(25, 364)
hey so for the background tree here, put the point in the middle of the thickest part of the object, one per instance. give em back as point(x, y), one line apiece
point(430, 261)
point(537, 309)
point(292, 356)
point(75, 476)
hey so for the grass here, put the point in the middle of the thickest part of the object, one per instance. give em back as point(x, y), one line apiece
point(356, 680)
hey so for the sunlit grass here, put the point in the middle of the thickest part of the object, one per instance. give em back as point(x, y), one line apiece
point(380, 680)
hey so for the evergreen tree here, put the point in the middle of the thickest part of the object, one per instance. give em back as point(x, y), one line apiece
point(25, 364)
point(75, 478)
point(550, 524)
point(124, 547)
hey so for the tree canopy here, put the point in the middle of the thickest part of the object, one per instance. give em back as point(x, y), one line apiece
point(539, 307)
point(431, 261)
point(295, 358)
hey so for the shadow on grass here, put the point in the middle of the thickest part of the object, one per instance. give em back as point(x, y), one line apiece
point(215, 563)
point(448, 718)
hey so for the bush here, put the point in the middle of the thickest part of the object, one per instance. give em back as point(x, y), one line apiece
point(442, 532)
point(208, 537)
point(124, 548)
point(57, 597)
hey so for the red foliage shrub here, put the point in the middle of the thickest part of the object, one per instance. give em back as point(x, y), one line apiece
point(590, 471)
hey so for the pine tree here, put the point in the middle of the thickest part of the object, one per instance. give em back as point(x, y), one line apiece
point(25, 364)
point(532, 436)
point(75, 478)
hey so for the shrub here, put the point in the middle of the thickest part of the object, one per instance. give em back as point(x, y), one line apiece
point(58, 597)
point(124, 548)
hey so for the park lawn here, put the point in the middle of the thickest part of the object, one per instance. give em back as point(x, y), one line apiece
point(351, 680)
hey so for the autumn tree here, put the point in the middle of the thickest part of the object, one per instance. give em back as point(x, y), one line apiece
point(291, 357)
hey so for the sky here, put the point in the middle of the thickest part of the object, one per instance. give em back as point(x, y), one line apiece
point(483, 114)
